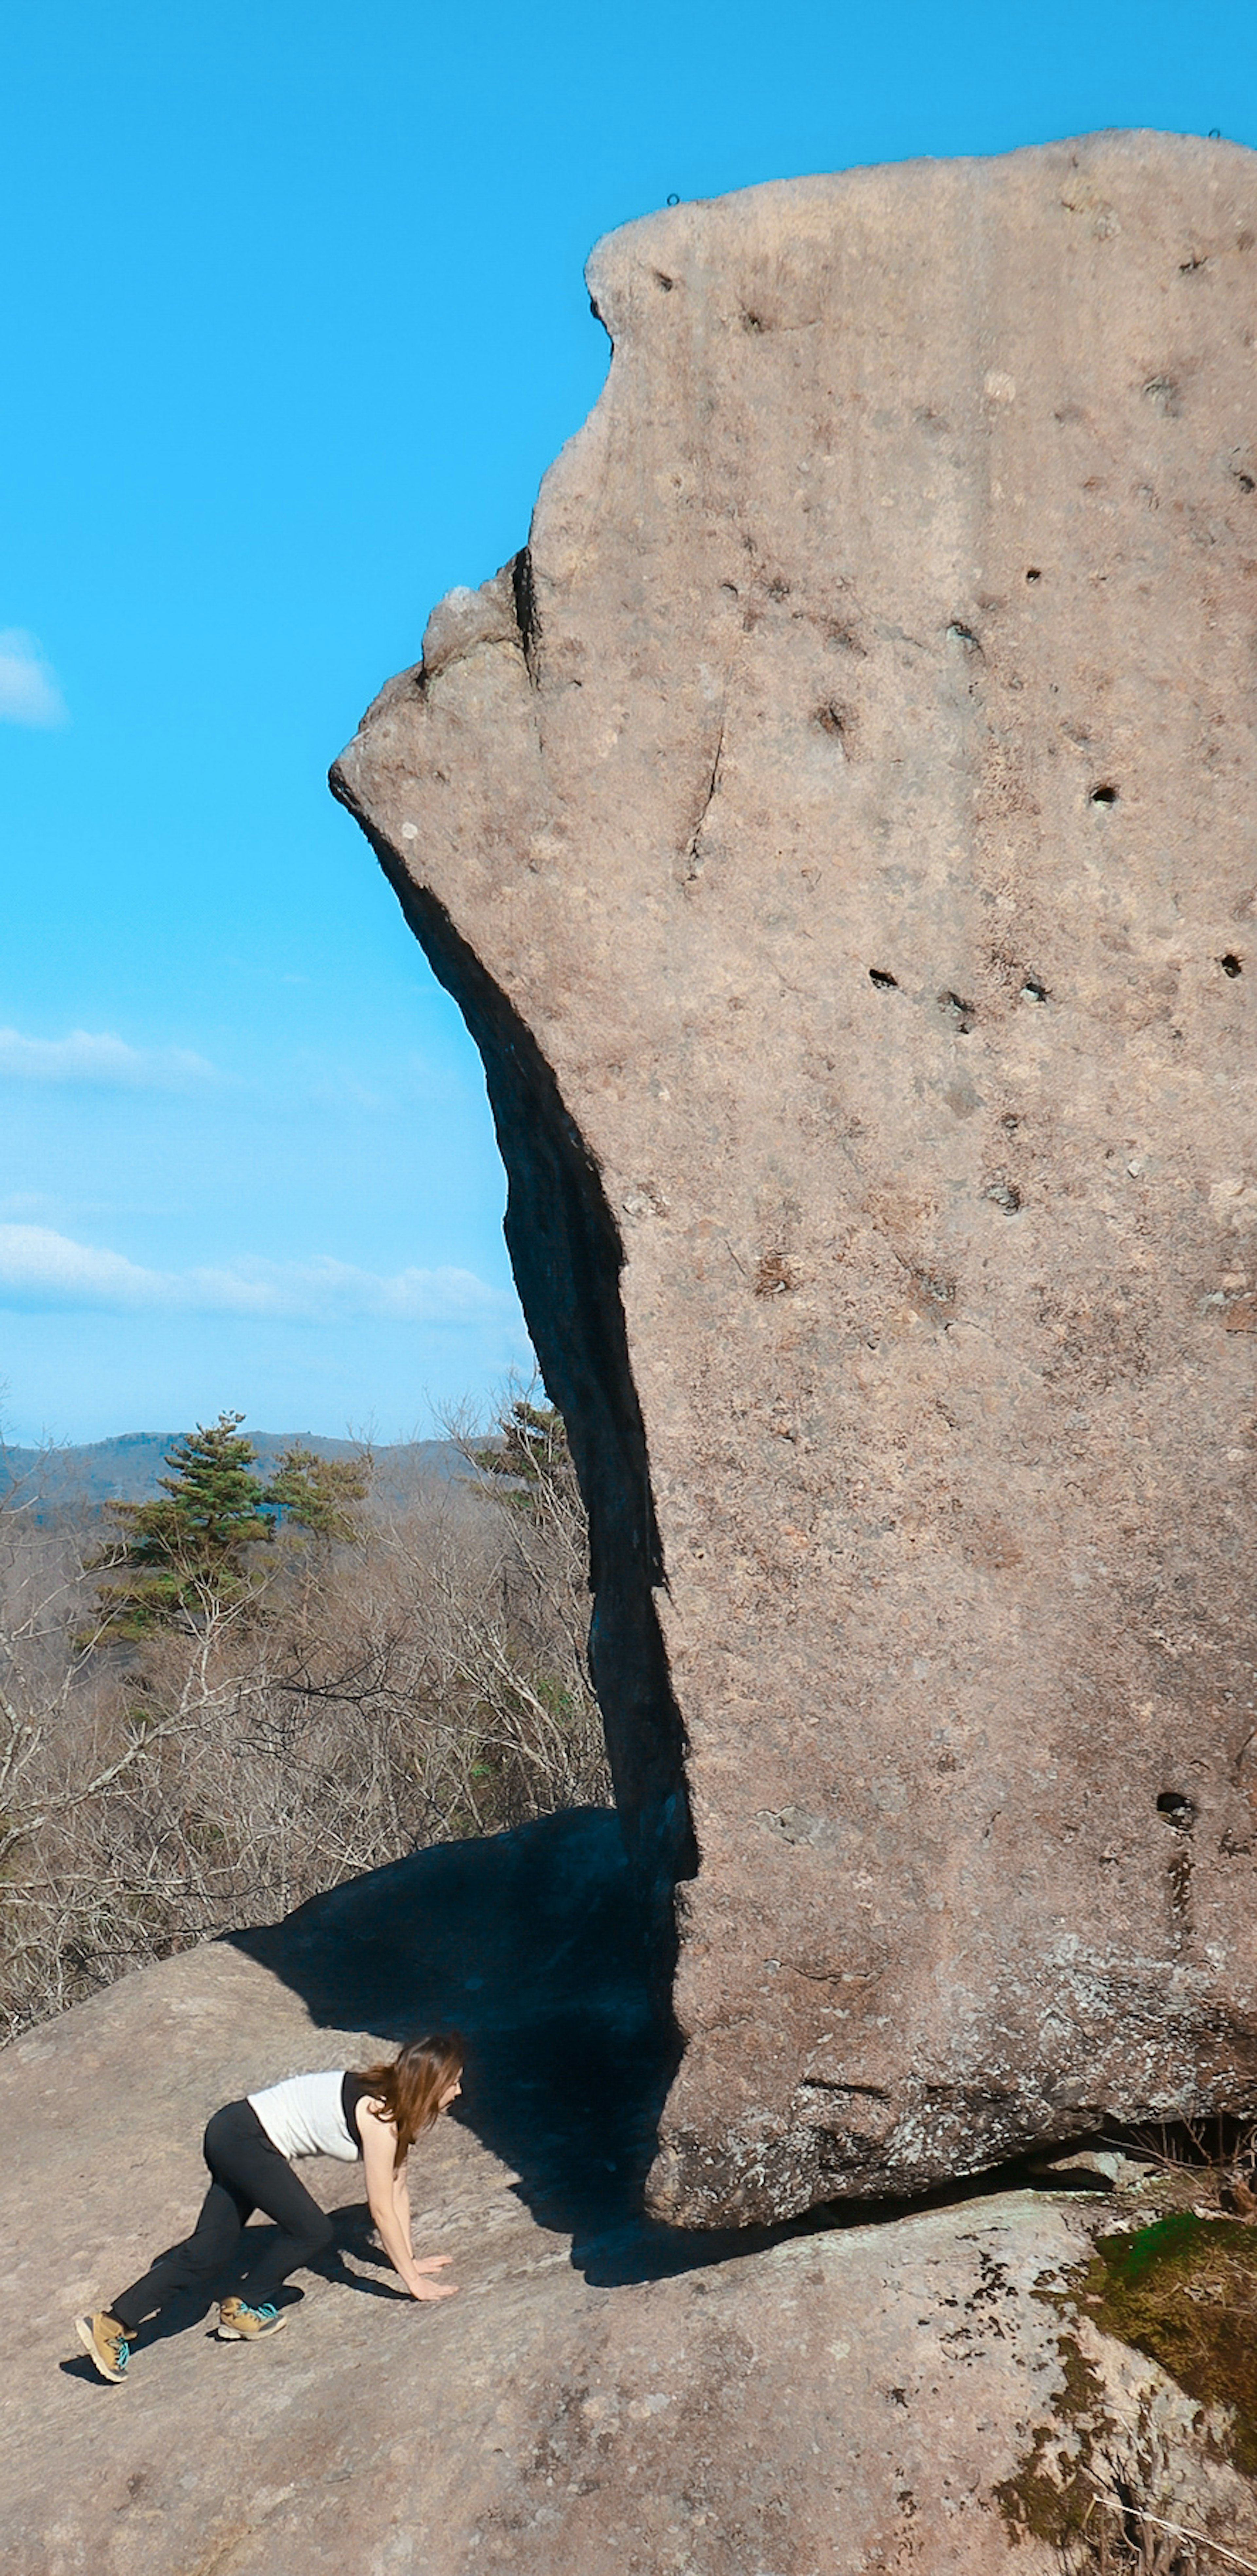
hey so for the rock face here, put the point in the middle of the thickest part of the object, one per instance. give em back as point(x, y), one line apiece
point(838, 827)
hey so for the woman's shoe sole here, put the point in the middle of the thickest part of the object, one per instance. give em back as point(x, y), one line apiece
point(238, 2334)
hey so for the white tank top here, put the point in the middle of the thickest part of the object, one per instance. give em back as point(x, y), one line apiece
point(306, 2117)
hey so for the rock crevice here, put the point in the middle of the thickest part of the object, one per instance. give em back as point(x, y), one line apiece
point(566, 1255)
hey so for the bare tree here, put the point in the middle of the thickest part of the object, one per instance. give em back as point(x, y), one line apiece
point(421, 1679)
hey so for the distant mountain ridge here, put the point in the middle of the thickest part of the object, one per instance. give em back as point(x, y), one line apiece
point(127, 1469)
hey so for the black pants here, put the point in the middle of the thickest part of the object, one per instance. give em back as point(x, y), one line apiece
point(248, 2173)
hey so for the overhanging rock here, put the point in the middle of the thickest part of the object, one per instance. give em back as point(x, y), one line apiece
point(838, 828)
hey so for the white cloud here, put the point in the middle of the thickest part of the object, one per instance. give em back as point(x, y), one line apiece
point(29, 691)
point(39, 1268)
point(35, 1264)
point(99, 1058)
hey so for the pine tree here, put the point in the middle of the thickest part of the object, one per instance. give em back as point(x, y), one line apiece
point(182, 1555)
point(319, 1493)
point(529, 1455)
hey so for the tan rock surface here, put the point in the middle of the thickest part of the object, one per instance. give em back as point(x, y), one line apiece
point(599, 2400)
point(838, 829)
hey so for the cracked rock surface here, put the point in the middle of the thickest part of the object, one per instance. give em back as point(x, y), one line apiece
point(838, 829)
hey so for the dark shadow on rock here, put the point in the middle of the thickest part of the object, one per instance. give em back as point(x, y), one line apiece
point(532, 1945)
point(187, 2309)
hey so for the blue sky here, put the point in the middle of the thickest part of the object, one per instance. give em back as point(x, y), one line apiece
point(294, 322)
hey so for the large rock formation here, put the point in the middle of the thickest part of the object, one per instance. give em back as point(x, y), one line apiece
point(838, 829)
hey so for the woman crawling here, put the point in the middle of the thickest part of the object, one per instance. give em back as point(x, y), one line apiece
point(250, 2148)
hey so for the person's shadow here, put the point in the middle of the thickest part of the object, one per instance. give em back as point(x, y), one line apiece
point(189, 2308)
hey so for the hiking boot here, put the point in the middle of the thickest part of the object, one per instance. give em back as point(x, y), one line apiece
point(107, 2343)
point(239, 2323)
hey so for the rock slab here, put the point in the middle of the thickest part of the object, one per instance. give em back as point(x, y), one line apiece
point(838, 827)
point(836, 2402)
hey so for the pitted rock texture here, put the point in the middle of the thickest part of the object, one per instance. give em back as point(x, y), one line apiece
point(839, 829)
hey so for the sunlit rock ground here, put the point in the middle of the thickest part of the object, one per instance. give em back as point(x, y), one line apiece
point(602, 2394)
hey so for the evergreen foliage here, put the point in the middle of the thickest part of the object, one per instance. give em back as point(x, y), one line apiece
point(174, 1558)
point(283, 1717)
point(319, 1493)
point(529, 1455)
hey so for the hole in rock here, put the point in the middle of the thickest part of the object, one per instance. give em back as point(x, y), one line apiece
point(1033, 992)
point(960, 634)
point(665, 284)
point(885, 983)
point(1177, 1808)
point(833, 721)
point(1246, 483)
point(1034, 573)
point(1003, 1194)
point(1230, 964)
point(963, 1013)
point(1104, 795)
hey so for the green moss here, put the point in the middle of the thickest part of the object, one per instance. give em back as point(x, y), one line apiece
point(1051, 2498)
point(1184, 2291)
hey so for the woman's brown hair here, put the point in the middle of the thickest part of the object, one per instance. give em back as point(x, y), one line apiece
point(411, 2084)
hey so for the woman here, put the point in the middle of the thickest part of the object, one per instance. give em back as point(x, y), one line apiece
point(249, 2147)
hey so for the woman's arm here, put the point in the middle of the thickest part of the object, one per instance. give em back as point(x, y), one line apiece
point(390, 2207)
point(401, 2197)
point(401, 2203)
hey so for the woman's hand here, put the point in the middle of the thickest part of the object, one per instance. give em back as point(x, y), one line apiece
point(422, 2288)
